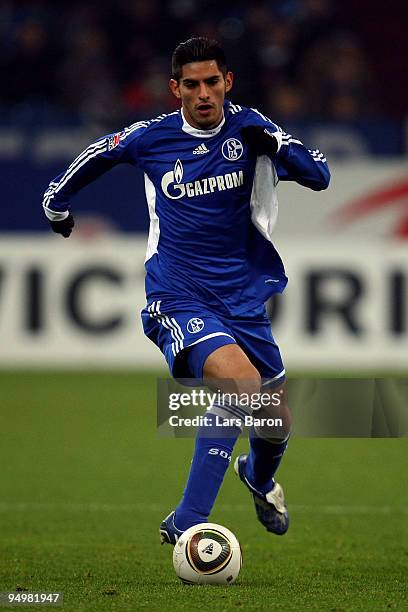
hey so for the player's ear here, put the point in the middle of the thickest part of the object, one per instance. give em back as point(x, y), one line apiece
point(175, 88)
point(229, 79)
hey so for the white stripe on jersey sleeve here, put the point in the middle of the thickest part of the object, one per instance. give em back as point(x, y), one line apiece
point(101, 146)
point(80, 162)
point(288, 139)
point(92, 151)
point(264, 117)
point(317, 155)
point(234, 108)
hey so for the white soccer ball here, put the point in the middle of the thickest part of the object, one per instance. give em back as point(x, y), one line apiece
point(207, 554)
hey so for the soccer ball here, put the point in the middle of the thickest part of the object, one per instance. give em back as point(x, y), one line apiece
point(207, 554)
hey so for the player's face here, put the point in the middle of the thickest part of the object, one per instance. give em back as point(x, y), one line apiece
point(201, 89)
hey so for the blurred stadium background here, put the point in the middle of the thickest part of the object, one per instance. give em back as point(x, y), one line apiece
point(331, 72)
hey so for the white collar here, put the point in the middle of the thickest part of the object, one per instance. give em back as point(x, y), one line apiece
point(189, 129)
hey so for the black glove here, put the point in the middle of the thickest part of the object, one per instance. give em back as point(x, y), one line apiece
point(63, 227)
point(260, 140)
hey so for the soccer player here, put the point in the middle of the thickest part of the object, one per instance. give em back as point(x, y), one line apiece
point(211, 170)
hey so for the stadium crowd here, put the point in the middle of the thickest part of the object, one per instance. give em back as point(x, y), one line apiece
point(107, 62)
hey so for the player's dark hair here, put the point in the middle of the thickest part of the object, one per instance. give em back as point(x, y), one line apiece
point(197, 49)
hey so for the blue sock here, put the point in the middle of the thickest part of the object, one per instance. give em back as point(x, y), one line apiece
point(263, 460)
point(212, 456)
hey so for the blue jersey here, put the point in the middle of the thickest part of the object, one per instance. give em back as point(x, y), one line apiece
point(212, 204)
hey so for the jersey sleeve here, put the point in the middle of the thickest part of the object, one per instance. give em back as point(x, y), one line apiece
point(294, 161)
point(95, 160)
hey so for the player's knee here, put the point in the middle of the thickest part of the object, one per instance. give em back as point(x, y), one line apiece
point(243, 388)
point(229, 370)
point(274, 416)
point(248, 381)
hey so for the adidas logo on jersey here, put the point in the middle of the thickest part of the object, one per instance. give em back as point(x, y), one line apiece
point(201, 149)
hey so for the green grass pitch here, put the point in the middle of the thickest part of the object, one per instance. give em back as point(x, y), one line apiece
point(85, 482)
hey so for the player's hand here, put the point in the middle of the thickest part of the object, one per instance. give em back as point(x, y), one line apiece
point(63, 227)
point(260, 140)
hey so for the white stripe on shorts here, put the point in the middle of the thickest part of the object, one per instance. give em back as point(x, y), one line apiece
point(170, 324)
point(267, 382)
point(210, 336)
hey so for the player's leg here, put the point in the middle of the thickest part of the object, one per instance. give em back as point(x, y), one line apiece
point(269, 435)
point(198, 345)
point(257, 469)
point(229, 370)
point(268, 442)
point(187, 334)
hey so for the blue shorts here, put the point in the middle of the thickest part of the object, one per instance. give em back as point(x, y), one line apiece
point(187, 333)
